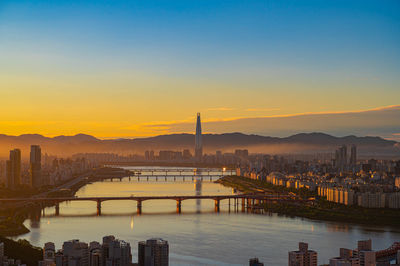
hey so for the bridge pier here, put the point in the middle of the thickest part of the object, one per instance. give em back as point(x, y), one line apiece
point(139, 207)
point(216, 202)
point(229, 204)
point(237, 205)
point(98, 207)
point(178, 206)
point(248, 204)
point(243, 204)
point(165, 178)
point(57, 209)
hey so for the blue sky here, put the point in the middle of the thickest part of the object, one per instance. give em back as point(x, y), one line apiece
point(132, 62)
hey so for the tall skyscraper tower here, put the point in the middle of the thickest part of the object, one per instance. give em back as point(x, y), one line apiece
point(13, 169)
point(198, 148)
point(36, 166)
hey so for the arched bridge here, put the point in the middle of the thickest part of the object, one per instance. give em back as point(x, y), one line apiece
point(248, 200)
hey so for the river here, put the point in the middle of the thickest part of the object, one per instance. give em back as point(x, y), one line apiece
point(197, 236)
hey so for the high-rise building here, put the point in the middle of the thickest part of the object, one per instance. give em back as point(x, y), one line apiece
point(95, 254)
point(13, 169)
point(1, 251)
point(112, 252)
point(341, 158)
point(303, 257)
point(119, 253)
point(367, 258)
point(364, 245)
point(353, 156)
point(36, 166)
point(242, 153)
point(198, 148)
point(49, 251)
point(186, 154)
point(153, 252)
point(347, 258)
point(398, 257)
point(106, 246)
point(365, 253)
point(255, 262)
point(76, 253)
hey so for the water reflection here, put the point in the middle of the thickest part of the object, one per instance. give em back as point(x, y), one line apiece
point(34, 215)
point(195, 235)
point(198, 186)
point(337, 227)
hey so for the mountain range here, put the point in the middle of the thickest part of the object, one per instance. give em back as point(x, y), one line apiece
point(304, 143)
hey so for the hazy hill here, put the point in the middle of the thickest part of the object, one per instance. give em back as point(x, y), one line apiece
point(299, 143)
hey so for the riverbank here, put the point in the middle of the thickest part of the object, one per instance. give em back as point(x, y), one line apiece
point(12, 225)
point(319, 210)
point(22, 250)
point(13, 216)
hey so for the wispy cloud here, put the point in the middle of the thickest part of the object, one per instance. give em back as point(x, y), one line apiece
point(381, 121)
point(261, 109)
point(221, 109)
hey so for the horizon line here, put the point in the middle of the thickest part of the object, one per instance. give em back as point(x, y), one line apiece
point(193, 134)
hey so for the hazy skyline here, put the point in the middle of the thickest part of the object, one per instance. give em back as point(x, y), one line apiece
point(131, 69)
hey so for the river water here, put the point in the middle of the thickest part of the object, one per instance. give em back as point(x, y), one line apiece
point(197, 236)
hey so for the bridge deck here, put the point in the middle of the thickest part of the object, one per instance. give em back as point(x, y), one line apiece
point(180, 170)
point(142, 198)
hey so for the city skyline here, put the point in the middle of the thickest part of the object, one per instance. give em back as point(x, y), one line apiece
point(121, 69)
point(199, 132)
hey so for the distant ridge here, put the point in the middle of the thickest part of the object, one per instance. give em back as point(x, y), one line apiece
point(299, 143)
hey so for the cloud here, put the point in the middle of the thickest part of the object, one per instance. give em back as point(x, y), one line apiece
point(381, 121)
point(220, 109)
point(261, 109)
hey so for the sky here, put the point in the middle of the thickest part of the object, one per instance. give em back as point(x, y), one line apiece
point(142, 68)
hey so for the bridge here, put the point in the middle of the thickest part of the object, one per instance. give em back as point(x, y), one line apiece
point(388, 254)
point(249, 201)
point(178, 174)
point(177, 170)
point(167, 178)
